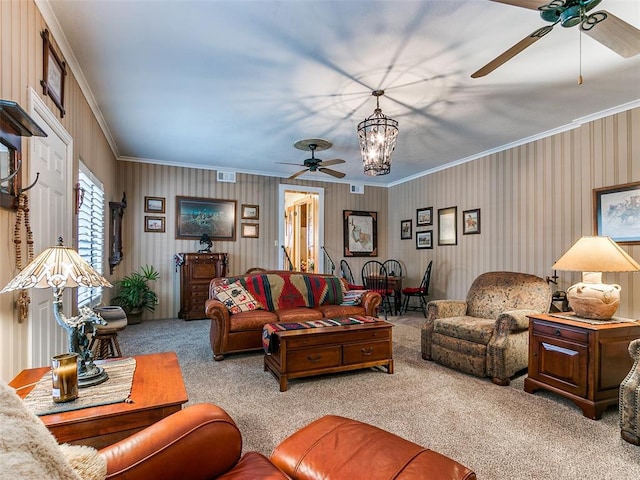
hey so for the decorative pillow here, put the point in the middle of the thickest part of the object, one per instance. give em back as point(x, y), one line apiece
point(28, 450)
point(235, 297)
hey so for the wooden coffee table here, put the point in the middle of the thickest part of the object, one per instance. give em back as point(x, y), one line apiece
point(157, 391)
point(316, 351)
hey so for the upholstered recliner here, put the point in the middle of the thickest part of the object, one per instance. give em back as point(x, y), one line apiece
point(488, 334)
point(630, 398)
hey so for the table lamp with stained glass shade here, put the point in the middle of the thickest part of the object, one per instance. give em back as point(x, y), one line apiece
point(591, 298)
point(56, 268)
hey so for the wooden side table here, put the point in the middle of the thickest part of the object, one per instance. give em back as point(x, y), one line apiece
point(581, 361)
point(157, 392)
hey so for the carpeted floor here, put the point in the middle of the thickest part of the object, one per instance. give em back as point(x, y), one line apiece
point(499, 432)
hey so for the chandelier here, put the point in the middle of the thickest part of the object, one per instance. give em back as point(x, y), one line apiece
point(377, 135)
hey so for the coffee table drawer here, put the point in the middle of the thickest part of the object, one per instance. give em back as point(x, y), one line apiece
point(314, 359)
point(321, 337)
point(366, 352)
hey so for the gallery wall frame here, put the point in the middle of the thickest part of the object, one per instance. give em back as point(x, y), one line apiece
point(360, 233)
point(424, 239)
point(448, 226)
point(616, 212)
point(405, 230)
point(154, 224)
point(154, 204)
point(424, 217)
point(471, 221)
point(196, 216)
point(250, 212)
point(54, 70)
point(250, 230)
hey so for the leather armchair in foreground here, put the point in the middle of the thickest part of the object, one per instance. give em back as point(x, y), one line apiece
point(203, 442)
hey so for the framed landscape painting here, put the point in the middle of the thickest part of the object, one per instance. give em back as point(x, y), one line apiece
point(197, 216)
point(360, 233)
point(616, 212)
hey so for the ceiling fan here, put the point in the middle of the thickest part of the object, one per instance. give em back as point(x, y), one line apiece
point(315, 164)
point(611, 31)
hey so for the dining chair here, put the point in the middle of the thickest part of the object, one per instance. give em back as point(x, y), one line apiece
point(394, 270)
point(374, 277)
point(345, 272)
point(421, 293)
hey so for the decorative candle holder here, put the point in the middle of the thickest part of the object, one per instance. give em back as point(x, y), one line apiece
point(64, 376)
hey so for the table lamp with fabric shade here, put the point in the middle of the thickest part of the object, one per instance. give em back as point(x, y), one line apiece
point(56, 268)
point(591, 298)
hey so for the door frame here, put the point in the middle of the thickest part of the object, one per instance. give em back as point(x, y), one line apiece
point(319, 222)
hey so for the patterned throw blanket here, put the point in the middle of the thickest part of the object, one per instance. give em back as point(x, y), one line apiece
point(270, 328)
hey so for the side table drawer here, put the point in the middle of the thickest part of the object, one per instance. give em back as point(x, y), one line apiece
point(299, 360)
point(562, 332)
point(366, 352)
point(562, 364)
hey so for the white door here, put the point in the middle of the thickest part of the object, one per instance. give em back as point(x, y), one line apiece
point(51, 217)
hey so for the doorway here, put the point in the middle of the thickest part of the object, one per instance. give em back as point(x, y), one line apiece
point(301, 228)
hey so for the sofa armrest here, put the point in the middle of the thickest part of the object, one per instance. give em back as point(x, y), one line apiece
point(178, 446)
point(338, 447)
point(220, 325)
point(371, 302)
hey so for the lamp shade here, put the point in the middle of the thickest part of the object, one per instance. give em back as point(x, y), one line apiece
point(596, 254)
point(57, 267)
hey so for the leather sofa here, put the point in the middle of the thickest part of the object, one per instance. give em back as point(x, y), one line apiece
point(487, 334)
point(203, 442)
point(282, 296)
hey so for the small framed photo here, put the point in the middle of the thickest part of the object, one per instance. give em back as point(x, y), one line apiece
point(405, 230)
point(250, 212)
point(447, 226)
point(154, 224)
point(424, 217)
point(424, 239)
point(54, 71)
point(616, 213)
point(154, 204)
point(250, 230)
point(471, 221)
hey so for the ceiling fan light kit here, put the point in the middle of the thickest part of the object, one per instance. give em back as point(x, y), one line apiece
point(604, 27)
point(377, 135)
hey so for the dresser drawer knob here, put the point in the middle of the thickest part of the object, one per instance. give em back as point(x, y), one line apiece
point(557, 333)
point(367, 351)
point(314, 358)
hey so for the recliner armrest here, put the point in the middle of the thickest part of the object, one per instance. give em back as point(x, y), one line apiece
point(177, 447)
point(514, 320)
point(446, 308)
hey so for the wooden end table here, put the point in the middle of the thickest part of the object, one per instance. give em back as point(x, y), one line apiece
point(157, 392)
point(581, 361)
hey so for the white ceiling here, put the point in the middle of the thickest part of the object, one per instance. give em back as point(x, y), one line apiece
point(231, 85)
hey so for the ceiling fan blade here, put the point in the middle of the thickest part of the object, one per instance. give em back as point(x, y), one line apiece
point(613, 32)
point(531, 4)
point(288, 163)
point(335, 161)
point(333, 173)
point(513, 51)
point(298, 173)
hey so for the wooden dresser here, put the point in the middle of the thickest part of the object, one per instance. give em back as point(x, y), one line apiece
point(196, 271)
point(584, 362)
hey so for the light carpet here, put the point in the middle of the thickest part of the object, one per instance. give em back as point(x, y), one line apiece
point(499, 432)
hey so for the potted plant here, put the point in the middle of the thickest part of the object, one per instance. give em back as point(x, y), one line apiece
point(134, 294)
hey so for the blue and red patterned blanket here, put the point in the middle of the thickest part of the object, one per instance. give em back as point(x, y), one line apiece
point(270, 328)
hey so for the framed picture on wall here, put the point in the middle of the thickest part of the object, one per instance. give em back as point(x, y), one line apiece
point(197, 216)
point(447, 226)
point(250, 230)
point(471, 221)
point(54, 69)
point(360, 233)
point(424, 217)
point(405, 230)
point(250, 212)
point(616, 212)
point(154, 224)
point(424, 239)
point(154, 204)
